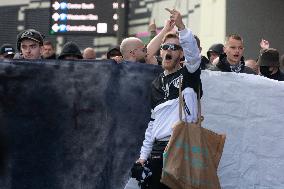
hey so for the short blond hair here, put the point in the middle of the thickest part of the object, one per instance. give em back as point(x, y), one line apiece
point(234, 36)
point(170, 35)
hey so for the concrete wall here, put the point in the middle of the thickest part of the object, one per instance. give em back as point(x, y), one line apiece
point(212, 20)
point(13, 2)
point(213, 23)
point(206, 18)
point(256, 19)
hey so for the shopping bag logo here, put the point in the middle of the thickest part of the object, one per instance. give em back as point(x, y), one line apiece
point(189, 159)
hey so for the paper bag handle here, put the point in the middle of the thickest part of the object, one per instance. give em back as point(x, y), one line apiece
point(181, 105)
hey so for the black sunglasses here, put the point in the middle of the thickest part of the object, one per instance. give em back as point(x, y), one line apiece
point(173, 47)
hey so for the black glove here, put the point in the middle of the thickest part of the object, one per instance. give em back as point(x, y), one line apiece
point(136, 171)
point(142, 174)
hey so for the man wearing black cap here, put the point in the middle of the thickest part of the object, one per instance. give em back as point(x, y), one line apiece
point(70, 51)
point(7, 51)
point(215, 51)
point(269, 64)
point(114, 54)
point(29, 43)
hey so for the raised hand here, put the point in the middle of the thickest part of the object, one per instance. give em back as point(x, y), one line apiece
point(264, 44)
point(142, 161)
point(152, 26)
point(169, 25)
point(176, 18)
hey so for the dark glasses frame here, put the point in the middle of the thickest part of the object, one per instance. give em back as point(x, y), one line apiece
point(144, 49)
point(170, 46)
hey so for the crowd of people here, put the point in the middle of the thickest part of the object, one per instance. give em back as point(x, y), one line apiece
point(178, 51)
point(227, 57)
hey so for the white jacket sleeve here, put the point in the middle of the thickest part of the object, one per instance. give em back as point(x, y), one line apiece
point(147, 143)
point(190, 49)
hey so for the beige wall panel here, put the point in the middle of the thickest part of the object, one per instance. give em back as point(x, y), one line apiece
point(213, 23)
point(13, 2)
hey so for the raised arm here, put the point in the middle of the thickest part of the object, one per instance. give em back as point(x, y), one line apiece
point(155, 43)
point(264, 44)
point(190, 50)
point(187, 41)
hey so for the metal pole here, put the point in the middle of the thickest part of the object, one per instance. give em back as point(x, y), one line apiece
point(122, 20)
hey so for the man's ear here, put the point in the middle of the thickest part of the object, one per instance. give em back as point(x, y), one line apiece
point(132, 53)
point(181, 55)
point(225, 49)
point(41, 50)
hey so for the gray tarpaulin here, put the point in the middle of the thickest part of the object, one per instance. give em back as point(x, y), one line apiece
point(249, 109)
point(81, 125)
point(70, 125)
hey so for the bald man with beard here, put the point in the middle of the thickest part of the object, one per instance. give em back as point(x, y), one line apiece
point(133, 50)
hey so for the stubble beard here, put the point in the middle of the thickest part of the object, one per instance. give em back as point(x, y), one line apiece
point(172, 67)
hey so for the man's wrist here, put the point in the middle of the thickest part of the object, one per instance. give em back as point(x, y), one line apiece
point(182, 27)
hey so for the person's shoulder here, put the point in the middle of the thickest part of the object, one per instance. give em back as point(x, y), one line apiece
point(248, 70)
point(217, 63)
point(212, 67)
point(204, 62)
point(18, 56)
point(281, 78)
point(156, 82)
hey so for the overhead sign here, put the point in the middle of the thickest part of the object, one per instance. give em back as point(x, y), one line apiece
point(94, 17)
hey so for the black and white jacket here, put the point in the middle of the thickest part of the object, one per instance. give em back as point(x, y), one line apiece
point(165, 102)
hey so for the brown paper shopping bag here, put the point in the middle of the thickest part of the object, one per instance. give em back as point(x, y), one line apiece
point(192, 155)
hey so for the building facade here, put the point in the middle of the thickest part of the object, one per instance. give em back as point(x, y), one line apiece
point(211, 20)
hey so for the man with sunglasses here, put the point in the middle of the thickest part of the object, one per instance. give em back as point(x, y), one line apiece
point(165, 92)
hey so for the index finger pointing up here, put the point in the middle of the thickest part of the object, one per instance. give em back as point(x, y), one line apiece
point(169, 10)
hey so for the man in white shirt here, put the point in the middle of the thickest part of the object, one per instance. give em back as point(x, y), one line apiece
point(165, 94)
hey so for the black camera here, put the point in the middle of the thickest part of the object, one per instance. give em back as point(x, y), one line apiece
point(136, 171)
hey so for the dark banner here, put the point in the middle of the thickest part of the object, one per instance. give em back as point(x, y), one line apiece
point(72, 125)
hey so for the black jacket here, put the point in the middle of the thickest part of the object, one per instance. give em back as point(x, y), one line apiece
point(164, 87)
point(224, 66)
point(277, 76)
point(51, 57)
point(204, 63)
